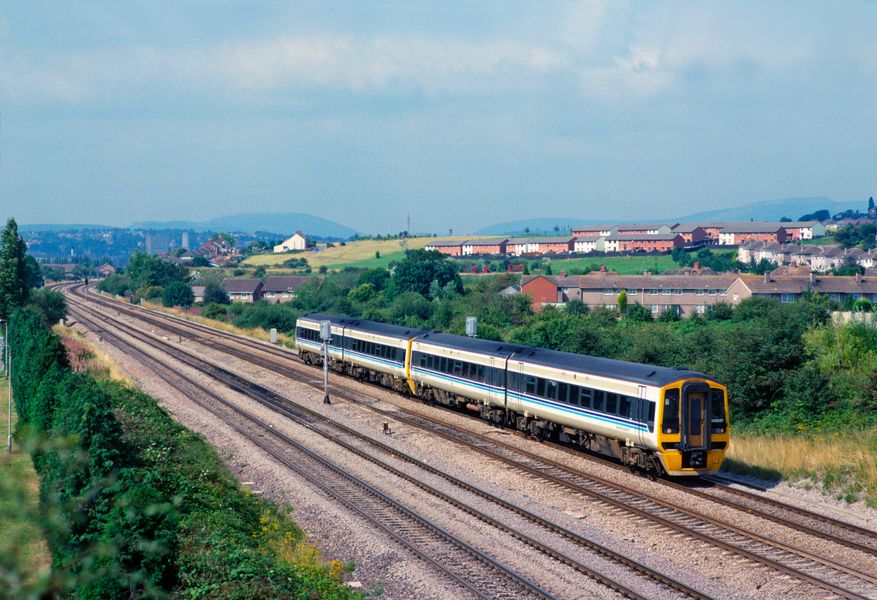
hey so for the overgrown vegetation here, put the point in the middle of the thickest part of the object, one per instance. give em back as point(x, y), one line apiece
point(136, 505)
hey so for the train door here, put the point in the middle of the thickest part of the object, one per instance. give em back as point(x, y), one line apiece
point(695, 424)
point(490, 379)
point(642, 407)
point(517, 386)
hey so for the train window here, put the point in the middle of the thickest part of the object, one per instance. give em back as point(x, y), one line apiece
point(458, 367)
point(611, 403)
point(443, 364)
point(671, 411)
point(585, 397)
point(424, 360)
point(540, 387)
point(531, 385)
point(717, 410)
point(599, 396)
point(563, 393)
point(624, 406)
point(479, 373)
point(551, 389)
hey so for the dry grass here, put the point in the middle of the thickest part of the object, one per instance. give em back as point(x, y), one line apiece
point(351, 252)
point(844, 464)
point(87, 357)
point(254, 332)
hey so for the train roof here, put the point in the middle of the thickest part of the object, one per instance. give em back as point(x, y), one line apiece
point(607, 367)
point(386, 329)
point(489, 347)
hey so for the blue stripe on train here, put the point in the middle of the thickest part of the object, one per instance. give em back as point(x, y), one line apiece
point(483, 387)
point(579, 412)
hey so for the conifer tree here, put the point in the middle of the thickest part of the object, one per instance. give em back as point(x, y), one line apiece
point(13, 270)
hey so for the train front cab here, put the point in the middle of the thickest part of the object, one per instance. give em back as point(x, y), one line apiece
point(694, 431)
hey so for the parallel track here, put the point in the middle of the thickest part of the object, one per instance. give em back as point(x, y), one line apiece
point(752, 546)
point(463, 563)
point(338, 433)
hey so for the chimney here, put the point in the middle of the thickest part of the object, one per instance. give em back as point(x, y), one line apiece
point(602, 268)
point(812, 277)
point(563, 273)
point(767, 277)
point(696, 265)
point(858, 277)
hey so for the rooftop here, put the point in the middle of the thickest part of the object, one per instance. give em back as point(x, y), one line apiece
point(241, 286)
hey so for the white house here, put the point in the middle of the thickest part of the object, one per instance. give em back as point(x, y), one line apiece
point(297, 242)
point(583, 245)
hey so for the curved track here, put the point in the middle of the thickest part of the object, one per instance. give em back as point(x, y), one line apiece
point(339, 433)
point(807, 567)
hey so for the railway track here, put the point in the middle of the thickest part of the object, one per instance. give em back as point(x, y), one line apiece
point(807, 567)
point(339, 434)
point(472, 569)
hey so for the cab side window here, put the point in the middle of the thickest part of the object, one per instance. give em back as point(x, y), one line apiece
point(671, 411)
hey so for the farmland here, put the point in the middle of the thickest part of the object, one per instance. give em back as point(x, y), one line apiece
point(353, 254)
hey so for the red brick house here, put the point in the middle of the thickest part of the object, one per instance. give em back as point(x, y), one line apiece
point(693, 233)
point(594, 231)
point(491, 247)
point(734, 234)
point(661, 242)
point(449, 248)
point(541, 289)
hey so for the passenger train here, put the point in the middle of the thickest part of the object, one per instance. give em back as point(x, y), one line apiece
point(655, 419)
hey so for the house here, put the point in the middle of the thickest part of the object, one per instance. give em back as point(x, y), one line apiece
point(594, 231)
point(693, 234)
point(734, 234)
point(447, 247)
point(868, 259)
point(644, 228)
point(488, 247)
point(658, 242)
point(297, 241)
point(187, 256)
point(804, 230)
point(510, 291)
point(690, 293)
point(243, 290)
point(105, 270)
point(539, 245)
point(584, 245)
point(282, 288)
point(790, 287)
point(198, 293)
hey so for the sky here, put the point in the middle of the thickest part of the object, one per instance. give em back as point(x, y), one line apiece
point(462, 114)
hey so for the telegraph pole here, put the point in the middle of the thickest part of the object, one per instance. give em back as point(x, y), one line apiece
point(326, 335)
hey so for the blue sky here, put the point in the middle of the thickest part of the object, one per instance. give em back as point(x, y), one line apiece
point(462, 113)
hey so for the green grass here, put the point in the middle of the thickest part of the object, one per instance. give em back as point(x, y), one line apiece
point(624, 265)
point(24, 554)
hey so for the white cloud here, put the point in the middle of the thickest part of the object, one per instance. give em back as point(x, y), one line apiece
point(335, 62)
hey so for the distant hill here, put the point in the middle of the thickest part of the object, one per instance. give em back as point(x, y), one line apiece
point(772, 210)
point(61, 227)
point(539, 225)
point(280, 223)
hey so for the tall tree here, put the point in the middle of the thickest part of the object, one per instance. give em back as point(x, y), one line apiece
point(13, 270)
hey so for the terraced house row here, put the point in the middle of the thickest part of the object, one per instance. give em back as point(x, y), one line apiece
point(634, 238)
point(818, 258)
point(693, 291)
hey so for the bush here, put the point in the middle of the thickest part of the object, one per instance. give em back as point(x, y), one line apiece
point(178, 294)
point(52, 304)
point(140, 506)
point(214, 294)
point(118, 285)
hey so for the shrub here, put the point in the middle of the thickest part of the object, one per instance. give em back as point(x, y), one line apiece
point(178, 294)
